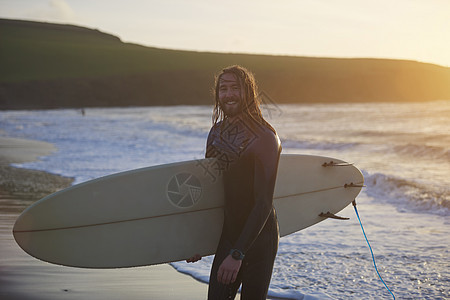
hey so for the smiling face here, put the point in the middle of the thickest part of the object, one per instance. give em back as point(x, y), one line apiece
point(230, 95)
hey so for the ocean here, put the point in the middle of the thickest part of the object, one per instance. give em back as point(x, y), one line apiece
point(403, 150)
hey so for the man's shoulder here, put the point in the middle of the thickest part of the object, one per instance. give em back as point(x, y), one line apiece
point(266, 137)
point(215, 127)
point(264, 130)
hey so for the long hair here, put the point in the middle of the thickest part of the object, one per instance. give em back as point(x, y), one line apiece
point(249, 89)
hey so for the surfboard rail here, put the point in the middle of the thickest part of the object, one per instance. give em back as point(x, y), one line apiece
point(168, 212)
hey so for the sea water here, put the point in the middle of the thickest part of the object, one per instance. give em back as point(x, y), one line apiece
point(403, 150)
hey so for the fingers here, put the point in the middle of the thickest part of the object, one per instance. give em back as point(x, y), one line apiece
point(194, 258)
point(222, 276)
point(234, 276)
point(228, 270)
point(226, 276)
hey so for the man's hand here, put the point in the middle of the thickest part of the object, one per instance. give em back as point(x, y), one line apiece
point(228, 270)
point(194, 258)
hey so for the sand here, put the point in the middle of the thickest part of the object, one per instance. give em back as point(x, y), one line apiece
point(24, 277)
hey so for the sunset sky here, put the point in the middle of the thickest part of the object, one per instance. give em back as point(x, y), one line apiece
point(400, 29)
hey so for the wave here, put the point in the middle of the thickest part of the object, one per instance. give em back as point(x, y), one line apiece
point(408, 195)
point(423, 151)
point(417, 151)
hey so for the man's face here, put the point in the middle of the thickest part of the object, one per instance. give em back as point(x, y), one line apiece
point(230, 95)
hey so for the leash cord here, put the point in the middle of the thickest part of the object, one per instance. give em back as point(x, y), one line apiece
point(373, 257)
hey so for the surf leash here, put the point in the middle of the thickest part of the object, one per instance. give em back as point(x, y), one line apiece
point(373, 257)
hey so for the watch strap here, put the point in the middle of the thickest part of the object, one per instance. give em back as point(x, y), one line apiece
point(237, 254)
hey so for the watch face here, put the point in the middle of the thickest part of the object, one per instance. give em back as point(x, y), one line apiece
point(236, 255)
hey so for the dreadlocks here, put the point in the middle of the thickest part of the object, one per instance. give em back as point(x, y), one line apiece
point(249, 93)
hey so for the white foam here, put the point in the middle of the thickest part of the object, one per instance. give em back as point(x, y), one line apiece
point(402, 207)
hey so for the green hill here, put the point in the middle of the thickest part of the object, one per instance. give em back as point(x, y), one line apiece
point(51, 65)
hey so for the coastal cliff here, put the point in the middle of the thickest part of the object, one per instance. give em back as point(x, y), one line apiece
point(53, 65)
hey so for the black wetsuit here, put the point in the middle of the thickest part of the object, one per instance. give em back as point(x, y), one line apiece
point(248, 153)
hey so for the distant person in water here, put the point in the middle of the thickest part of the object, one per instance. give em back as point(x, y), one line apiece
point(247, 150)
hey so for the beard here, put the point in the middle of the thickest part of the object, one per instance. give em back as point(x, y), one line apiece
point(231, 107)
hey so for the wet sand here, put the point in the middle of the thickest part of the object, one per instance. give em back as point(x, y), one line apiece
point(24, 277)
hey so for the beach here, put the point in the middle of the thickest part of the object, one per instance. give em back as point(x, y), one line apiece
point(24, 277)
point(402, 149)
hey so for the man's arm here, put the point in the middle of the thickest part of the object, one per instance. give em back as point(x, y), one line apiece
point(266, 156)
point(266, 166)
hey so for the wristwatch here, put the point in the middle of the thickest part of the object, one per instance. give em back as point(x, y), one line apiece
point(237, 254)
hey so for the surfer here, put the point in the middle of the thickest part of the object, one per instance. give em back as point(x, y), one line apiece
point(247, 151)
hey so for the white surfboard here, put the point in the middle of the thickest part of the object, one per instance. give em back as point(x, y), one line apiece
point(170, 212)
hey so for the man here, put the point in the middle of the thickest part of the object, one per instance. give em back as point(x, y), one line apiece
point(248, 150)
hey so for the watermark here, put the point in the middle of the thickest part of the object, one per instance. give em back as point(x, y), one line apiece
point(184, 190)
point(231, 139)
point(236, 137)
point(211, 167)
point(269, 106)
point(226, 146)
